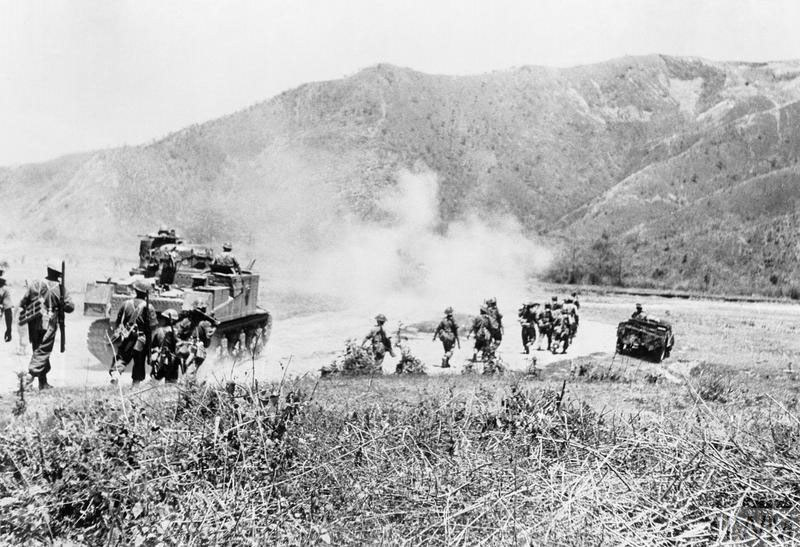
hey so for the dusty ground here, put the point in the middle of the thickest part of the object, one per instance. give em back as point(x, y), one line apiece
point(743, 336)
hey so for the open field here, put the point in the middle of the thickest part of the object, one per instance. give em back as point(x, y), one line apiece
point(693, 451)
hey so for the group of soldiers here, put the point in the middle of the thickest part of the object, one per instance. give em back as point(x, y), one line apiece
point(170, 345)
point(174, 345)
point(556, 321)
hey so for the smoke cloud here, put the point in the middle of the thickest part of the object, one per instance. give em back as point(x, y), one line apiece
point(412, 264)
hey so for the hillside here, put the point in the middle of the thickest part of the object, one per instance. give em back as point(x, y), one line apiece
point(687, 166)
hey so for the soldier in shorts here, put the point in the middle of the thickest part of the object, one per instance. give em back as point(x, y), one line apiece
point(447, 332)
point(379, 341)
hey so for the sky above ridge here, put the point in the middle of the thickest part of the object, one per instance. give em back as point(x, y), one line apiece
point(79, 75)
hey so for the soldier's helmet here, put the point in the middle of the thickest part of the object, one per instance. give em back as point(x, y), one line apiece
point(227, 246)
point(547, 305)
point(484, 310)
point(574, 295)
point(568, 300)
point(638, 306)
point(54, 266)
point(554, 299)
point(170, 315)
point(199, 305)
point(140, 286)
point(380, 318)
point(448, 310)
point(491, 301)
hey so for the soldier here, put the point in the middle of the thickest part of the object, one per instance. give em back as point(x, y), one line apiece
point(576, 301)
point(42, 327)
point(379, 341)
point(163, 359)
point(639, 313)
point(6, 307)
point(527, 320)
point(226, 262)
point(480, 330)
point(495, 322)
point(194, 336)
point(447, 332)
point(546, 325)
point(133, 332)
point(571, 313)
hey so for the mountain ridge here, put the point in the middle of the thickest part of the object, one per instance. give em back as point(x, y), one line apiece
point(615, 148)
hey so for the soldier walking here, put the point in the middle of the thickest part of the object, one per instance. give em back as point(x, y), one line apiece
point(480, 330)
point(495, 325)
point(528, 318)
point(136, 321)
point(163, 355)
point(46, 297)
point(379, 341)
point(6, 307)
point(546, 325)
point(194, 336)
point(447, 332)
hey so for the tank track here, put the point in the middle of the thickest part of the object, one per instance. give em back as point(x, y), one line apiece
point(230, 332)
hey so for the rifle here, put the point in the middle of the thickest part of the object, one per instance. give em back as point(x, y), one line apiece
point(148, 336)
point(63, 293)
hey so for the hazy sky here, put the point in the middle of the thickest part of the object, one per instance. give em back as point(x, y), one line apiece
point(81, 74)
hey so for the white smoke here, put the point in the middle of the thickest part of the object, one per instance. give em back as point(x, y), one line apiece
point(414, 266)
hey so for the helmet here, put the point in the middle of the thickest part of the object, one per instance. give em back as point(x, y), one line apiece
point(574, 295)
point(54, 266)
point(638, 306)
point(380, 318)
point(568, 300)
point(199, 305)
point(547, 305)
point(170, 315)
point(491, 301)
point(529, 303)
point(227, 246)
point(448, 310)
point(554, 298)
point(484, 310)
point(140, 286)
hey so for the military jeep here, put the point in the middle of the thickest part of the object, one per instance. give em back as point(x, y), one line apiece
point(645, 336)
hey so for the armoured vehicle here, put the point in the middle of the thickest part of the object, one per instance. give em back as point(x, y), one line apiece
point(180, 275)
point(646, 335)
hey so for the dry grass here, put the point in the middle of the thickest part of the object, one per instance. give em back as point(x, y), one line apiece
point(447, 460)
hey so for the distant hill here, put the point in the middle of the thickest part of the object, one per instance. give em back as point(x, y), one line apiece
point(674, 172)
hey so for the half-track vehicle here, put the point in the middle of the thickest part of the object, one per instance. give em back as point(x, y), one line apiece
point(180, 275)
point(645, 336)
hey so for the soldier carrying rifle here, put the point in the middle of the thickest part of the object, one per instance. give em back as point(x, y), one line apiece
point(43, 307)
point(136, 321)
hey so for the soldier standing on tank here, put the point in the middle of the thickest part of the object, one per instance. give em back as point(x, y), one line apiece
point(226, 261)
point(495, 322)
point(379, 341)
point(136, 321)
point(194, 336)
point(480, 330)
point(163, 357)
point(6, 307)
point(447, 332)
point(639, 313)
point(43, 326)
